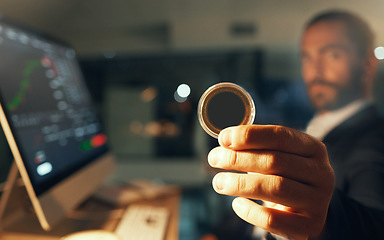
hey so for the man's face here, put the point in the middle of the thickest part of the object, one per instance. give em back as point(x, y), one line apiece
point(331, 67)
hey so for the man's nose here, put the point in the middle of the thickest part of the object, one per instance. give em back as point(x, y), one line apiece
point(319, 67)
point(317, 70)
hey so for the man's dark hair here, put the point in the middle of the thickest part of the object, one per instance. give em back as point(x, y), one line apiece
point(358, 30)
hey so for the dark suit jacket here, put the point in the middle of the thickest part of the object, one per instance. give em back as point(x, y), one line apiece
point(356, 153)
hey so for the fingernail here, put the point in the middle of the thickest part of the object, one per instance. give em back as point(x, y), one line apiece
point(226, 137)
point(218, 182)
point(236, 203)
point(212, 157)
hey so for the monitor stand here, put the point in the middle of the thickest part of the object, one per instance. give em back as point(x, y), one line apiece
point(18, 219)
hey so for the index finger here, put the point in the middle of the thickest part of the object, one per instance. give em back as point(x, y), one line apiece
point(271, 137)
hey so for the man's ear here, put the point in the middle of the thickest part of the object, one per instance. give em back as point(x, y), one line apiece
point(372, 63)
point(370, 67)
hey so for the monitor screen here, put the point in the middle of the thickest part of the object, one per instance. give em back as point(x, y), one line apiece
point(47, 106)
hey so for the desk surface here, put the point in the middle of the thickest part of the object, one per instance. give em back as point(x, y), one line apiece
point(30, 229)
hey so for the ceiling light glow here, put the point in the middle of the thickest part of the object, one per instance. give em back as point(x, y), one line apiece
point(379, 53)
point(183, 90)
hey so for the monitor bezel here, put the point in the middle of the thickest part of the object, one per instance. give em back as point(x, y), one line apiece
point(40, 188)
point(49, 199)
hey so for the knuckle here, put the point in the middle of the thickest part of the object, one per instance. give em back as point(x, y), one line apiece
point(241, 183)
point(233, 158)
point(279, 184)
point(277, 129)
point(272, 160)
point(322, 150)
point(327, 174)
point(276, 186)
point(280, 133)
point(247, 135)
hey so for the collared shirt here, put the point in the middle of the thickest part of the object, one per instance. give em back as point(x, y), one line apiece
point(322, 124)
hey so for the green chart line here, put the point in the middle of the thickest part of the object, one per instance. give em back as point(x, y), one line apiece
point(24, 84)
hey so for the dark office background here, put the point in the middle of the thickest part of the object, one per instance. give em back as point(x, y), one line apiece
point(146, 49)
point(135, 53)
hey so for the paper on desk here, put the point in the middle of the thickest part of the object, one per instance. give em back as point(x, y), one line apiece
point(124, 194)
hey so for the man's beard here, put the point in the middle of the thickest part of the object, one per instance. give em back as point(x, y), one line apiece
point(343, 94)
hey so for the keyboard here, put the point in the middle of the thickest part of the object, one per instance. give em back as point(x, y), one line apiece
point(140, 222)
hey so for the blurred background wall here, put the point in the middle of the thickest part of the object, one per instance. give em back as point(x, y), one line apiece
point(96, 27)
point(136, 53)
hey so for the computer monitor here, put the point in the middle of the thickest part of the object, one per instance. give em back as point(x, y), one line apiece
point(50, 123)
